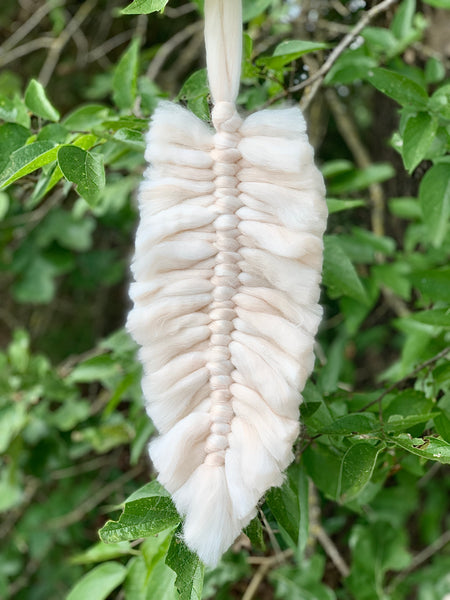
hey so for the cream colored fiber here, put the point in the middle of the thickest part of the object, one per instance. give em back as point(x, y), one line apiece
point(227, 271)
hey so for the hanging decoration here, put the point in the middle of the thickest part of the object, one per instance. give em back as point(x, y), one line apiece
point(227, 270)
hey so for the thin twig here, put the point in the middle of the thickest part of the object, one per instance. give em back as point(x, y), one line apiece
point(267, 563)
point(350, 133)
point(420, 558)
point(423, 481)
point(93, 500)
point(184, 9)
point(414, 372)
point(71, 361)
point(24, 49)
point(166, 49)
point(30, 24)
point(344, 43)
point(270, 533)
point(85, 467)
point(331, 550)
point(316, 79)
point(109, 45)
point(58, 44)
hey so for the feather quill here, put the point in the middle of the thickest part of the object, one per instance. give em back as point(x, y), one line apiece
point(227, 269)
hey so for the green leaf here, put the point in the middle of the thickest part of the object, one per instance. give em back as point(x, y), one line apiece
point(27, 159)
point(323, 465)
point(69, 414)
point(4, 205)
point(335, 205)
point(131, 138)
point(11, 493)
point(315, 412)
point(356, 470)
point(147, 512)
point(352, 423)
point(12, 137)
point(380, 40)
point(430, 448)
point(442, 423)
point(144, 7)
point(393, 276)
point(36, 284)
point(97, 368)
point(439, 3)
point(37, 101)
point(329, 374)
point(339, 274)
point(149, 576)
point(108, 435)
point(434, 199)
point(101, 552)
point(408, 403)
point(19, 351)
point(397, 423)
point(417, 137)
point(359, 179)
point(350, 66)
point(301, 581)
point(125, 77)
point(188, 568)
point(434, 70)
point(440, 317)
point(440, 101)
point(253, 8)
point(405, 208)
point(255, 534)
point(434, 284)
point(84, 169)
point(14, 111)
point(200, 107)
point(195, 86)
point(288, 51)
point(362, 245)
point(402, 24)
point(402, 89)
point(376, 548)
point(87, 117)
point(335, 167)
point(63, 227)
point(12, 420)
point(98, 583)
point(287, 505)
point(53, 132)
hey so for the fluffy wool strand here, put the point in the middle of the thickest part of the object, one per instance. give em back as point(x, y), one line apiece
point(226, 272)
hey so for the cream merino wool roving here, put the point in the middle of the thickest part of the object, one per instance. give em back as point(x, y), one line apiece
point(227, 270)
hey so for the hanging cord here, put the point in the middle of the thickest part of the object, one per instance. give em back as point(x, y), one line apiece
point(223, 41)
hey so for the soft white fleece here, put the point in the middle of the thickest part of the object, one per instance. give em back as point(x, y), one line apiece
point(227, 272)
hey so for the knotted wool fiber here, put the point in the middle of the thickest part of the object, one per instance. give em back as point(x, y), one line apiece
point(227, 269)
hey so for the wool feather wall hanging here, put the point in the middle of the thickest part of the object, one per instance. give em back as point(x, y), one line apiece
point(227, 270)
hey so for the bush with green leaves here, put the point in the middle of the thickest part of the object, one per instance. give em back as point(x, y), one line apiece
point(363, 513)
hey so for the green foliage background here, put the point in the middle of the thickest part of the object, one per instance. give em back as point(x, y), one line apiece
point(363, 513)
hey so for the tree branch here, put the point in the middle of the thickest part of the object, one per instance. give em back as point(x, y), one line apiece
point(395, 385)
point(30, 24)
point(166, 49)
point(420, 558)
point(343, 44)
point(59, 42)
